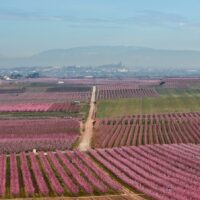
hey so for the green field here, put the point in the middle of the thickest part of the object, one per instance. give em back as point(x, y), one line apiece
point(170, 100)
point(193, 92)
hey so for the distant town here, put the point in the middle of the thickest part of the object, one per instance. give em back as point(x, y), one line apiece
point(103, 71)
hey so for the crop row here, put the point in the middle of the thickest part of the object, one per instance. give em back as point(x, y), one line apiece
point(12, 90)
point(40, 134)
point(147, 131)
point(151, 118)
point(180, 82)
point(69, 88)
point(50, 143)
point(96, 81)
point(40, 107)
point(64, 107)
point(38, 126)
point(52, 174)
point(126, 82)
point(44, 97)
point(158, 171)
point(125, 93)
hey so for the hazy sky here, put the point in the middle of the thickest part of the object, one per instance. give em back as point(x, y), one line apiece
point(31, 26)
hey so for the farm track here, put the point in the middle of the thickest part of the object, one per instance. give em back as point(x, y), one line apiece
point(131, 195)
point(127, 196)
point(85, 141)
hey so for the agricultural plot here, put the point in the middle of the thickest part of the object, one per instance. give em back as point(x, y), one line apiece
point(175, 99)
point(125, 93)
point(41, 134)
point(145, 139)
point(45, 97)
point(40, 107)
point(52, 81)
point(53, 174)
point(180, 82)
point(69, 88)
point(178, 92)
point(158, 171)
point(167, 102)
point(148, 129)
point(12, 90)
point(126, 82)
point(117, 87)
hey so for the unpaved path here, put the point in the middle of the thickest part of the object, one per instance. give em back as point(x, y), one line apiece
point(85, 141)
point(103, 197)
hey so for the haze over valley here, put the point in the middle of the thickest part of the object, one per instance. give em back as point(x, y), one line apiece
point(130, 56)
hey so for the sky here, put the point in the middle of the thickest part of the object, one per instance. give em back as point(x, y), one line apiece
point(28, 27)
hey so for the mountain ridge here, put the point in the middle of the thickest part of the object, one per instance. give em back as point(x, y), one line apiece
point(98, 55)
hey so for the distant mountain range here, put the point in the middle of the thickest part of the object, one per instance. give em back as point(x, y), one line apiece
point(99, 55)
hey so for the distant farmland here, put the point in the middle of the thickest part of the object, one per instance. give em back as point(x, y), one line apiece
point(170, 100)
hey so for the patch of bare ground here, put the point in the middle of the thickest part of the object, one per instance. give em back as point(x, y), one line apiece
point(86, 136)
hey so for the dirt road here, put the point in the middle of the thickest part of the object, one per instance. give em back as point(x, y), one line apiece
point(103, 197)
point(85, 142)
